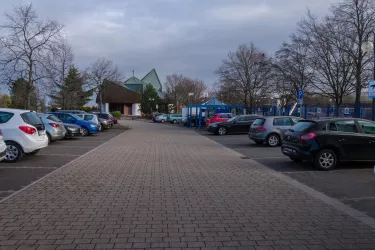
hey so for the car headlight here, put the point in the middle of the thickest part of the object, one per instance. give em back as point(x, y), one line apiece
point(93, 125)
point(213, 125)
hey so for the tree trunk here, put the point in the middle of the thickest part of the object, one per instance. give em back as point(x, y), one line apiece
point(337, 109)
point(29, 86)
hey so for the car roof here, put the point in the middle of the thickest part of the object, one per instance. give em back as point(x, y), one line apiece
point(19, 111)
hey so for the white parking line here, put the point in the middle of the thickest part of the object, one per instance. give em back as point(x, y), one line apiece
point(264, 158)
point(60, 155)
point(70, 147)
point(358, 198)
point(22, 167)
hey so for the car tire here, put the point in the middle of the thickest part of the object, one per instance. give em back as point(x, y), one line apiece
point(273, 140)
point(49, 139)
point(222, 131)
point(325, 159)
point(295, 159)
point(259, 142)
point(17, 152)
point(34, 152)
point(85, 131)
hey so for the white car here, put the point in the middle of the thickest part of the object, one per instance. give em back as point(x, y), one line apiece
point(23, 133)
point(90, 117)
point(3, 147)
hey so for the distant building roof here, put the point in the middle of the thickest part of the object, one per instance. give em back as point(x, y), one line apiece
point(213, 101)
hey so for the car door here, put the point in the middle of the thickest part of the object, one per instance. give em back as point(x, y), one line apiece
point(345, 135)
point(243, 124)
point(368, 130)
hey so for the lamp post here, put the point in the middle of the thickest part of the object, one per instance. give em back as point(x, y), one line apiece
point(367, 47)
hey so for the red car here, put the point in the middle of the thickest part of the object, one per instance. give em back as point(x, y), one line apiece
point(221, 117)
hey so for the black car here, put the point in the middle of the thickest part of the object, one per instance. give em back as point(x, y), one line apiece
point(72, 130)
point(327, 142)
point(236, 125)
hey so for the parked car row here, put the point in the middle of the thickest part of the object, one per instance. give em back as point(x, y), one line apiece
point(172, 118)
point(323, 141)
point(26, 132)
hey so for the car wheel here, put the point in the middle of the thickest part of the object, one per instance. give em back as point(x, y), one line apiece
point(326, 159)
point(85, 131)
point(49, 138)
point(222, 131)
point(34, 152)
point(14, 152)
point(259, 142)
point(162, 121)
point(295, 159)
point(174, 121)
point(273, 140)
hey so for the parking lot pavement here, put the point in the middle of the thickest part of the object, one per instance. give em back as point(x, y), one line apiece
point(351, 183)
point(159, 187)
point(14, 176)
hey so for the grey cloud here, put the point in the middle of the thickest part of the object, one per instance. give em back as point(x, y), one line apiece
point(174, 36)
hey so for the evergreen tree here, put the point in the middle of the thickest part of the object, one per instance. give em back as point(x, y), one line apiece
point(149, 100)
point(19, 91)
point(72, 94)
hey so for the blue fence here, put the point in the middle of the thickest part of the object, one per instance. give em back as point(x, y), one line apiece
point(312, 111)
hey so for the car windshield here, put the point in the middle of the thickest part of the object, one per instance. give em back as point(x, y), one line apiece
point(259, 122)
point(233, 119)
point(53, 118)
point(31, 118)
point(302, 126)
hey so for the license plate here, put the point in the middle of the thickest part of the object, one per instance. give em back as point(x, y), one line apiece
point(42, 132)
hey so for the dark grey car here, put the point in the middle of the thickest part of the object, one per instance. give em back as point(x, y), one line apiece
point(270, 129)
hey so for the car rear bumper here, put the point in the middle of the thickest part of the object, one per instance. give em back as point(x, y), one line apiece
point(57, 135)
point(257, 136)
point(35, 145)
point(73, 133)
point(296, 152)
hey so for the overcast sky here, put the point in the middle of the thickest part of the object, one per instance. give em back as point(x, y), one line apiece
point(190, 37)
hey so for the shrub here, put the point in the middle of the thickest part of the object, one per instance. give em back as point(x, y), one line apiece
point(116, 114)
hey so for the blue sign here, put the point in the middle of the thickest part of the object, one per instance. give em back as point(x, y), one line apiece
point(300, 94)
point(371, 89)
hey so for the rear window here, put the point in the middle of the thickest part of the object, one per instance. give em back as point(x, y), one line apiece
point(5, 117)
point(302, 126)
point(31, 118)
point(259, 122)
point(53, 118)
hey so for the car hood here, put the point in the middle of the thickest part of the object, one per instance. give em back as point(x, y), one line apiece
point(70, 125)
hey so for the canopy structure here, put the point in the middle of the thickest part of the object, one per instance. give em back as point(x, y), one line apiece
point(213, 106)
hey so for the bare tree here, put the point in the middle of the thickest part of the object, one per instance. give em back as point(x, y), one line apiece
point(292, 62)
point(246, 73)
point(100, 71)
point(24, 46)
point(58, 62)
point(334, 68)
point(358, 17)
point(178, 88)
point(171, 93)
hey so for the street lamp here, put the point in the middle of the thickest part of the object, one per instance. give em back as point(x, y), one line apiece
point(367, 47)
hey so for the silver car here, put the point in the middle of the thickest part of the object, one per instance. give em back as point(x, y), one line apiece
point(55, 128)
point(161, 118)
point(271, 129)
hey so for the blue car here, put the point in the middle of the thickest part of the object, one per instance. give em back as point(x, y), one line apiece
point(88, 128)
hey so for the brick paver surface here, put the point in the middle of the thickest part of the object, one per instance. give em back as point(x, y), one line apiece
point(164, 187)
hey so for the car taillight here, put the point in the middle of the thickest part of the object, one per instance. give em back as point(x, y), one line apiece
point(28, 130)
point(308, 136)
point(55, 125)
point(1, 133)
point(260, 129)
point(109, 119)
